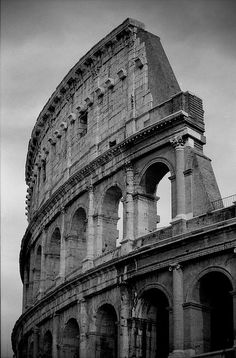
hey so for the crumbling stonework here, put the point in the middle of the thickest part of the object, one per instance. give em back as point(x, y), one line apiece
point(114, 127)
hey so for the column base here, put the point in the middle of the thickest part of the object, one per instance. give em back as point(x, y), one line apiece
point(178, 225)
point(126, 246)
point(179, 353)
point(87, 264)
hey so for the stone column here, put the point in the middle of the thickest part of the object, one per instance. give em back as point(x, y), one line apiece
point(63, 247)
point(55, 327)
point(124, 316)
point(129, 203)
point(88, 262)
point(178, 315)
point(36, 342)
point(178, 144)
point(43, 263)
point(83, 328)
point(126, 244)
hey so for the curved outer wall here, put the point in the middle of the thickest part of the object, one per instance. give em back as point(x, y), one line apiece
point(116, 124)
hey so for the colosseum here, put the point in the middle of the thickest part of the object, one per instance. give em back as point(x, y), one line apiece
point(102, 278)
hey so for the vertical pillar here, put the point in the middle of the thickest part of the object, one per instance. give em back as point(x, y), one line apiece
point(43, 263)
point(83, 328)
point(129, 203)
point(63, 247)
point(178, 144)
point(88, 262)
point(124, 316)
point(126, 244)
point(36, 342)
point(55, 326)
point(178, 316)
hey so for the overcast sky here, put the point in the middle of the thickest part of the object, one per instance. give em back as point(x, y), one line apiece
point(42, 40)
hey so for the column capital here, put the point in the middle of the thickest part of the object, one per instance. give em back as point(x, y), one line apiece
point(63, 210)
point(36, 330)
point(44, 229)
point(177, 141)
point(175, 266)
point(129, 166)
point(90, 188)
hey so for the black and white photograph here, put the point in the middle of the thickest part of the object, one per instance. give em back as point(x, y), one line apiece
point(118, 178)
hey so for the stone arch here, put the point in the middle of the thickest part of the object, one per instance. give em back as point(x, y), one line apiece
point(47, 345)
point(157, 286)
point(150, 324)
point(191, 292)
point(37, 269)
point(108, 217)
point(71, 339)
point(53, 257)
point(76, 242)
point(162, 160)
point(149, 200)
point(211, 290)
point(106, 345)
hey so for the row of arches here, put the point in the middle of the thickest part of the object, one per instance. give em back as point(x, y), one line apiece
point(109, 229)
point(149, 324)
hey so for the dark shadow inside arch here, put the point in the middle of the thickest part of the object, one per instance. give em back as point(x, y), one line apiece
point(154, 324)
point(53, 257)
point(71, 339)
point(217, 311)
point(106, 332)
point(37, 270)
point(77, 241)
point(110, 218)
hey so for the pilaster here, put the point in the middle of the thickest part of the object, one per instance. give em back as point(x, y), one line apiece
point(88, 262)
point(62, 271)
point(36, 342)
point(178, 316)
point(178, 143)
point(124, 316)
point(129, 210)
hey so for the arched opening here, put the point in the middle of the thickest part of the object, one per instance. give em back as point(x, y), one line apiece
point(106, 332)
point(120, 222)
point(37, 270)
point(76, 242)
point(153, 201)
point(71, 338)
point(47, 345)
point(110, 218)
point(163, 192)
point(217, 311)
point(150, 330)
point(53, 257)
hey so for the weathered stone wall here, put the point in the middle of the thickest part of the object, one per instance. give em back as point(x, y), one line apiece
point(114, 128)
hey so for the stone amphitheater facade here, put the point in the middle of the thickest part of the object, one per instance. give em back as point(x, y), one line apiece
point(113, 128)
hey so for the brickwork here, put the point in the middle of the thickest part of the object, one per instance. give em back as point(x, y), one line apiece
point(113, 128)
